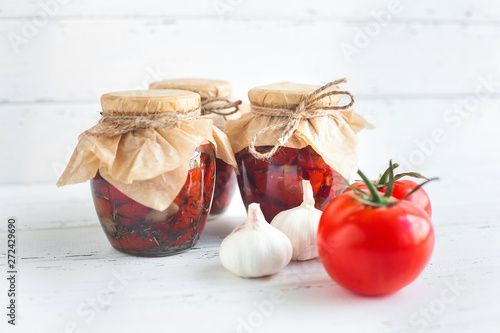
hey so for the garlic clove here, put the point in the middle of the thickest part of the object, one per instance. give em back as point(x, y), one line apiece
point(307, 194)
point(255, 248)
point(300, 225)
point(155, 216)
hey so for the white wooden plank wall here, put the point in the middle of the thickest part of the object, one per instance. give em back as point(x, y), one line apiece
point(418, 63)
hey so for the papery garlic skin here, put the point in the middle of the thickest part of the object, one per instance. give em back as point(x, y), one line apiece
point(255, 248)
point(300, 225)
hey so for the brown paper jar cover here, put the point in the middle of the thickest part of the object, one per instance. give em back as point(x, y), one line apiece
point(332, 137)
point(149, 165)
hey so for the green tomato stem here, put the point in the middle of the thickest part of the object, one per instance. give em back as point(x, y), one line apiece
point(374, 199)
point(373, 190)
point(409, 174)
point(390, 184)
point(382, 181)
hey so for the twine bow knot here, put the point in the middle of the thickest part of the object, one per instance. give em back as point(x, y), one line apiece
point(291, 118)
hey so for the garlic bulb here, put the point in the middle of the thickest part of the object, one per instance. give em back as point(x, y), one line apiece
point(255, 248)
point(300, 224)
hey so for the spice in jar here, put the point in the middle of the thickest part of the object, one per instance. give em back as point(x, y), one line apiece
point(151, 163)
point(294, 132)
point(216, 105)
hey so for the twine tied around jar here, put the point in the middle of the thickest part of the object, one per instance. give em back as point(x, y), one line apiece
point(291, 118)
point(117, 123)
point(220, 106)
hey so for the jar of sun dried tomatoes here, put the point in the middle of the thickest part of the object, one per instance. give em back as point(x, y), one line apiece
point(151, 163)
point(216, 105)
point(294, 132)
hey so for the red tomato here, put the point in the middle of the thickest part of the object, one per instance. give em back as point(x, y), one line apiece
point(374, 250)
point(400, 190)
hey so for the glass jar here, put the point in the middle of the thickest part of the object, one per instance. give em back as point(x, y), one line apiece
point(293, 132)
point(151, 164)
point(136, 229)
point(212, 92)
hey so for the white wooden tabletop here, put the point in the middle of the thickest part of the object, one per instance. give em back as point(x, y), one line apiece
point(71, 280)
